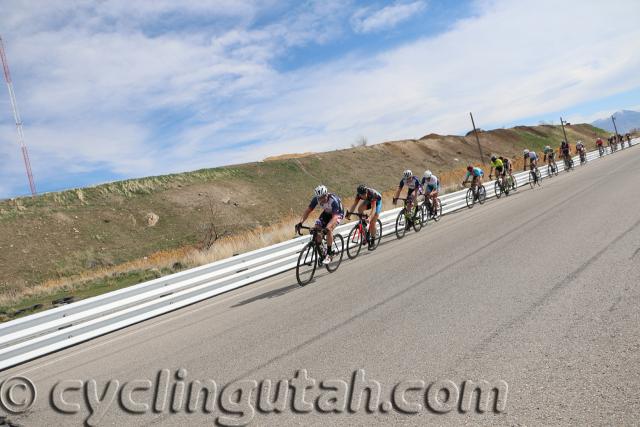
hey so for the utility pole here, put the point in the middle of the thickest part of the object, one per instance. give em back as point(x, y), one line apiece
point(562, 122)
point(613, 119)
point(16, 116)
point(475, 131)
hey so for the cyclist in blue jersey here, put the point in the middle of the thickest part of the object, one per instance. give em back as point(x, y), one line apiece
point(476, 174)
point(368, 199)
point(414, 189)
point(332, 214)
point(532, 157)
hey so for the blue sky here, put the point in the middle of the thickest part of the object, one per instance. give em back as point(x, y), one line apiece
point(119, 89)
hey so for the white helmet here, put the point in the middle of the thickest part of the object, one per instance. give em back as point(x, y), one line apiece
point(525, 152)
point(427, 174)
point(547, 147)
point(320, 191)
point(407, 173)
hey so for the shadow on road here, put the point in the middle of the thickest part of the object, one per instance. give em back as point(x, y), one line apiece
point(267, 295)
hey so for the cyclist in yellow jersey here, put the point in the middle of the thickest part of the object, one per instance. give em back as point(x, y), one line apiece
point(498, 165)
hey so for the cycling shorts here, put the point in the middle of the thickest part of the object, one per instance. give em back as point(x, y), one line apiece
point(325, 219)
point(378, 206)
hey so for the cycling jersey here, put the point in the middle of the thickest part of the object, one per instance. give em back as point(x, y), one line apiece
point(498, 164)
point(369, 195)
point(579, 147)
point(333, 205)
point(548, 151)
point(533, 156)
point(476, 172)
point(564, 147)
point(599, 141)
point(506, 163)
point(431, 184)
point(412, 183)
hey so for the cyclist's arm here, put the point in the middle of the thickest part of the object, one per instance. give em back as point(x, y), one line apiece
point(355, 203)
point(305, 214)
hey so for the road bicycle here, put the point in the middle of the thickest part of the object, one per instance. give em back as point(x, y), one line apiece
point(601, 150)
point(359, 235)
point(428, 212)
point(512, 182)
point(535, 177)
point(552, 167)
point(568, 162)
point(500, 187)
point(583, 158)
point(476, 193)
point(405, 219)
point(314, 252)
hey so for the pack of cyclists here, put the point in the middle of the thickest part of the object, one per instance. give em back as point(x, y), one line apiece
point(367, 198)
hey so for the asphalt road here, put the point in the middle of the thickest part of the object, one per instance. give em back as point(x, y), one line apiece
point(539, 290)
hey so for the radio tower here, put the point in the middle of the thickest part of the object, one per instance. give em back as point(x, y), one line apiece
point(16, 116)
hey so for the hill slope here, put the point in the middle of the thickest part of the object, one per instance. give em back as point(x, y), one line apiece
point(626, 121)
point(58, 235)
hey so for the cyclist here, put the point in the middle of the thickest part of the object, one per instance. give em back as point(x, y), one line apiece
point(580, 149)
point(371, 199)
point(477, 175)
point(600, 144)
point(565, 150)
point(533, 159)
point(508, 170)
point(413, 186)
point(498, 165)
point(431, 185)
point(332, 214)
point(549, 156)
point(628, 135)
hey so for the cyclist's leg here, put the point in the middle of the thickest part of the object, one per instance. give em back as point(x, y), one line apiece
point(373, 218)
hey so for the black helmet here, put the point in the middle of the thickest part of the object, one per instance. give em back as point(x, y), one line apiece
point(493, 158)
point(362, 189)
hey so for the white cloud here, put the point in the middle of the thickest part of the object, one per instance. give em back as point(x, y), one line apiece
point(100, 88)
point(368, 19)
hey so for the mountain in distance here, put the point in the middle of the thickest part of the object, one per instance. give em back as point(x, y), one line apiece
point(626, 120)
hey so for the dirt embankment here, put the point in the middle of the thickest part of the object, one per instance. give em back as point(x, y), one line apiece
point(63, 234)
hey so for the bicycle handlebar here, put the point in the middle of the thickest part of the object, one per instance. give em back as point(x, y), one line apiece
point(359, 215)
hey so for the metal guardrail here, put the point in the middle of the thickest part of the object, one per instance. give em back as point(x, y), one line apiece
point(42, 333)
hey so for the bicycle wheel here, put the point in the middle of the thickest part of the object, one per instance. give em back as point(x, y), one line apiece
point(549, 170)
point(378, 236)
point(482, 194)
point(470, 198)
point(338, 252)
point(513, 182)
point(306, 267)
point(417, 219)
point(497, 189)
point(532, 178)
point(424, 215)
point(555, 168)
point(354, 241)
point(538, 176)
point(437, 212)
point(401, 225)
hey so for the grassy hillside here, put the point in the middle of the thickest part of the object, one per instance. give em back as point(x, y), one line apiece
point(57, 236)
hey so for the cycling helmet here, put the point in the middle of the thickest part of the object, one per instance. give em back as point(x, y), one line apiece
point(525, 152)
point(546, 147)
point(469, 168)
point(407, 173)
point(493, 158)
point(362, 189)
point(320, 191)
point(427, 174)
